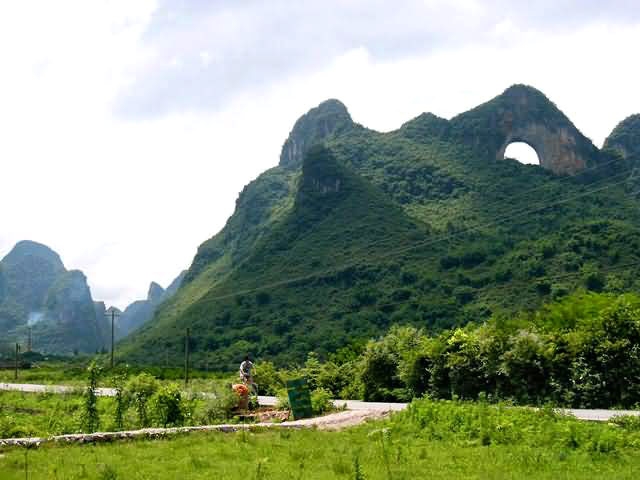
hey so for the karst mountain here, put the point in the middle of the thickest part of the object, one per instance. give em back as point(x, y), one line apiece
point(356, 230)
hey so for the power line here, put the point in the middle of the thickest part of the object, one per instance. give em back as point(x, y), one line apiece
point(548, 185)
point(418, 245)
point(510, 286)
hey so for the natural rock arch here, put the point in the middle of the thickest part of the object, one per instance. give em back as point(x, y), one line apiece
point(555, 149)
point(523, 114)
point(529, 149)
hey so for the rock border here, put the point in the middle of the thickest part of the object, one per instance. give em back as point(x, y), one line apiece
point(334, 421)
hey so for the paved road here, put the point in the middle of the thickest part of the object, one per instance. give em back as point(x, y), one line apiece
point(580, 413)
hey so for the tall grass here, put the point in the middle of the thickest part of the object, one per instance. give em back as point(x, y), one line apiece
point(439, 440)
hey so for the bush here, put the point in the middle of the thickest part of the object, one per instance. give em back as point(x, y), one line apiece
point(472, 423)
point(90, 419)
point(283, 400)
point(321, 401)
point(8, 428)
point(219, 406)
point(138, 391)
point(167, 406)
point(121, 404)
point(267, 378)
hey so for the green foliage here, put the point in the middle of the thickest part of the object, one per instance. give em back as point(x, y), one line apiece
point(120, 401)
point(358, 474)
point(321, 401)
point(139, 391)
point(90, 416)
point(480, 424)
point(583, 351)
point(422, 226)
point(267, 378)
point(444, 439)
point(167, 406)
point(283, 400)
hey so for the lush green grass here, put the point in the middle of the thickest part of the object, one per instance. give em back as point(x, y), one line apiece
point(433, 440)
point(30, 414)
point(48, 373)
point(45, 414)
point(73, 371)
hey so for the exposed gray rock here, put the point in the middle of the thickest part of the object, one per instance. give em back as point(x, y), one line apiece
point(330, 117)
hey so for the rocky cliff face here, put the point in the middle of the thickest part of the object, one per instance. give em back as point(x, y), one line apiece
point(524, 114)
point(625, 138)
point(70, 321)
point(328, 118)
point(40, 293)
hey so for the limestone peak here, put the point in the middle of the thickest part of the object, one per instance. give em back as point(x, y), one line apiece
point(29, 248)
point(319, 123)
point(155, 291)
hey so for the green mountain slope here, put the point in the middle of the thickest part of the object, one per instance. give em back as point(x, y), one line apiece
point(425, 225)
point(141, 311)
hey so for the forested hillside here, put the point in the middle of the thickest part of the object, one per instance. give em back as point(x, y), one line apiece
point(426, 225)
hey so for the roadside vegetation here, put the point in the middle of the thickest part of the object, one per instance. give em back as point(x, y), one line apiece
point(581, 351)
point(141, 400)
point(432, 439)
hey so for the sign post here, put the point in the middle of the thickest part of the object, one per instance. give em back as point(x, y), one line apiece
point(299, 398)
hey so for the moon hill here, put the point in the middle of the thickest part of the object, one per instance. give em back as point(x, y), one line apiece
point(356, 230)
point(38, 293)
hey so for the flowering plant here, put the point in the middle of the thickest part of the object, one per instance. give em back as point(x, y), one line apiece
point(241, 390)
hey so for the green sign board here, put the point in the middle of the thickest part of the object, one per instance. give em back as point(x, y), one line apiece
point(299, 398)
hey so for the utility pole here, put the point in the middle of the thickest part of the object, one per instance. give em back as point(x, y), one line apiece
point(17, 352)
point(29, 345)
point(113, 315)
point(186, 359)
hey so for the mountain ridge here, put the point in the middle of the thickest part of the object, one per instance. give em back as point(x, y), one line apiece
point(276, 281)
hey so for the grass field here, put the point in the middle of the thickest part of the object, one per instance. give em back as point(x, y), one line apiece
point(431, 440)
point(47, 414)
point(75, 374)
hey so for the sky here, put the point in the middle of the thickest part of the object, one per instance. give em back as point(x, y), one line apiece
point(127, 129)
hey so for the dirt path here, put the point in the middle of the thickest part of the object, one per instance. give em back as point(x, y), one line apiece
point(334, 421)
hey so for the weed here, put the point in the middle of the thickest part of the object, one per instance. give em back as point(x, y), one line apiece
point(90, 416)
point(108, 473)
point(358, 474)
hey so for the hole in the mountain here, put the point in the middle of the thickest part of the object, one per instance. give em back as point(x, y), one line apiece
point(522, 152)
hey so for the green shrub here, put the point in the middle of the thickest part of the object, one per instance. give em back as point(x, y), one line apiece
point(321, 401)
point(90, 419)
point(121, 403)
point(139, 390)
point(283, 400)
point(628, 422)
point(219, 406)
point(267, 378)
point(167, 406)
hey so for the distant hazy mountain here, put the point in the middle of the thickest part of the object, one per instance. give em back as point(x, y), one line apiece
point(38, 292)
point(141, 311)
